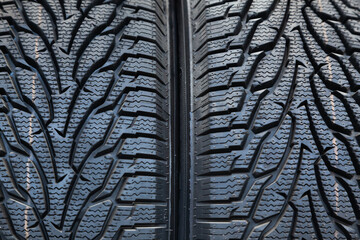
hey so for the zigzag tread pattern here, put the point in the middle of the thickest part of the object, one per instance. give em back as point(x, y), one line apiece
point(84, 119)
point(276, 119)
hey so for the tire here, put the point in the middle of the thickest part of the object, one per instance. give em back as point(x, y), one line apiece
point(189, 119)
point(276, 107)
point(84, 119)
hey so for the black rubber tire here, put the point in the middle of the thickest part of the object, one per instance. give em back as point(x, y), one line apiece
point(150, 119)
point(84, 119)
point(276, 107)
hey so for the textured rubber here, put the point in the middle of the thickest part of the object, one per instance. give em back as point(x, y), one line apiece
point(276, 106)
point(84, 119)
point(240, 122)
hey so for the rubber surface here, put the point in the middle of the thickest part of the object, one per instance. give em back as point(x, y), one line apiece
point(244, 116)
point(276, 106)
point(84, 119)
